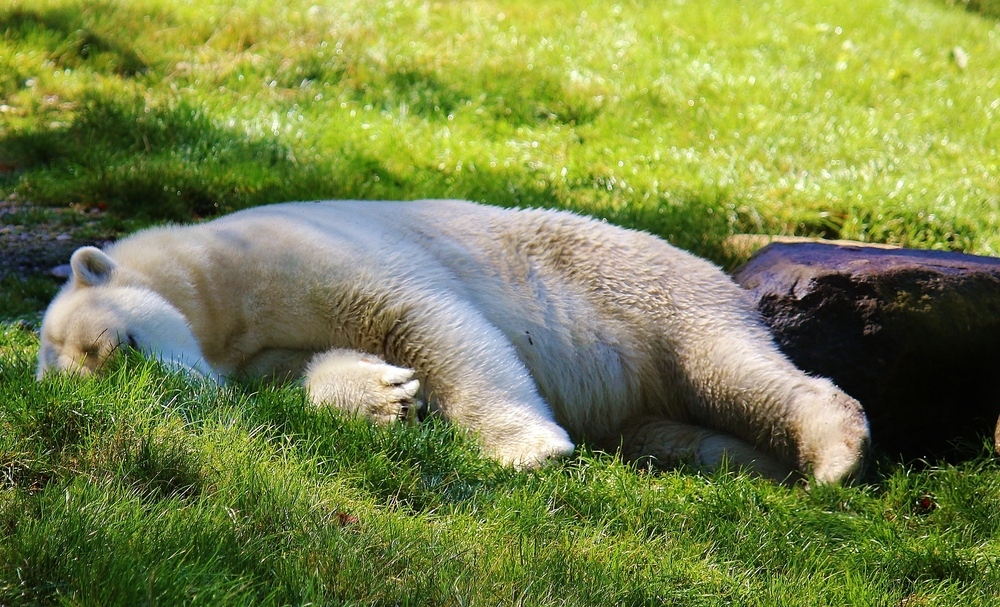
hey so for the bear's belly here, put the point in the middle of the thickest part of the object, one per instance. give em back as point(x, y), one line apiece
point(591, 368)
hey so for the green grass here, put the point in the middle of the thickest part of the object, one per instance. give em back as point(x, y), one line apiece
point(143, 489)
point(694, 120)
point(24, 297)
point(690, 119)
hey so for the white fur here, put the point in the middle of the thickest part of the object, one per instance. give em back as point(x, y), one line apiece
point(527, 327)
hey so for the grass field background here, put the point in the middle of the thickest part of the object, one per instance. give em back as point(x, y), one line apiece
point(693, 120)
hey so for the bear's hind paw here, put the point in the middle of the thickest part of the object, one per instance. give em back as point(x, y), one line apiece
point(535, 450)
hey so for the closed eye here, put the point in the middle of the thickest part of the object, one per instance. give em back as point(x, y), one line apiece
point(131, 341)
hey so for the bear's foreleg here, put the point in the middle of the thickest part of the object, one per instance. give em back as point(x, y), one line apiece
point(473, 377)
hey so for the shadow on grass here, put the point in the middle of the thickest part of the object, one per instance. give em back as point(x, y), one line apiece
point(24, 296)
point(178, 163)
point(506, 93)
point(988, 8)
point(152, 163)
point(71, 43)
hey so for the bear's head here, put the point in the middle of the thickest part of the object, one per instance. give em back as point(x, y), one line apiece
point(100, 312)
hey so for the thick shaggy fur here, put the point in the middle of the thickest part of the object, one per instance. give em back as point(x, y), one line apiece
point(531, 328)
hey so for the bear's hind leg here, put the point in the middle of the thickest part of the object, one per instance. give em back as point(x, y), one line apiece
point(742, 385)
point(663, 443)
point(362, 384)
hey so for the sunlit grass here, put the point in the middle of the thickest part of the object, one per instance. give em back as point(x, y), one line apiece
point(691, 119)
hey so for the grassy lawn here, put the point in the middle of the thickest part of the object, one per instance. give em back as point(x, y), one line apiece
point(693, 120)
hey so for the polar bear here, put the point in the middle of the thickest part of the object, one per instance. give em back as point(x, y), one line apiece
point(531, 328)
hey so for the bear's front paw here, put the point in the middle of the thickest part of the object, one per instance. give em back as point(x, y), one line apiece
point(363, 385)
point(395, 397)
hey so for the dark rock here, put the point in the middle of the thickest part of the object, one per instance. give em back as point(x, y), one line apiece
point(913, 335)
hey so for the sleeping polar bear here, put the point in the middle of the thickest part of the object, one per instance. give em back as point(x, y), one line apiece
point(531, 328)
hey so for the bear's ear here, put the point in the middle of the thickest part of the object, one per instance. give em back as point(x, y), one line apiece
point(91, 266)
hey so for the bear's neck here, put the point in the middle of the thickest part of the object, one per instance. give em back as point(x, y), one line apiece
point(236, 304)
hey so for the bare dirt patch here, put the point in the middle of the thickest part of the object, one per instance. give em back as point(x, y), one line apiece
point(34, 240)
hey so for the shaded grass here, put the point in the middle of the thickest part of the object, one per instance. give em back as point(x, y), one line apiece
point(142, 488)
point(990, 8)
point(172, 163)
point(25, 297)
